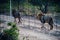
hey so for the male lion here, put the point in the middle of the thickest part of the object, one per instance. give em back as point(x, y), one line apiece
point(45, 19)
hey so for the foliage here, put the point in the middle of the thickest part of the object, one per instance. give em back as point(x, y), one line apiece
point(11, 33)
point(11, 24)
point(28, 3)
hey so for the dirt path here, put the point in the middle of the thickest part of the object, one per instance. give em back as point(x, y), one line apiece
point(31, 27)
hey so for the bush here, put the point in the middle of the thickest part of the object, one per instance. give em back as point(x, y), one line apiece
point(9, 24)
point(11, 34)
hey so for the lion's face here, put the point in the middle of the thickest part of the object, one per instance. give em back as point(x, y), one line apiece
point(39, 16)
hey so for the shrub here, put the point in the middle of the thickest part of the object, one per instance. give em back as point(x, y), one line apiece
point(9, 24)
point(11, 34)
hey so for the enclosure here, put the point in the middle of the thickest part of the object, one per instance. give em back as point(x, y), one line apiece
point(30, 26)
